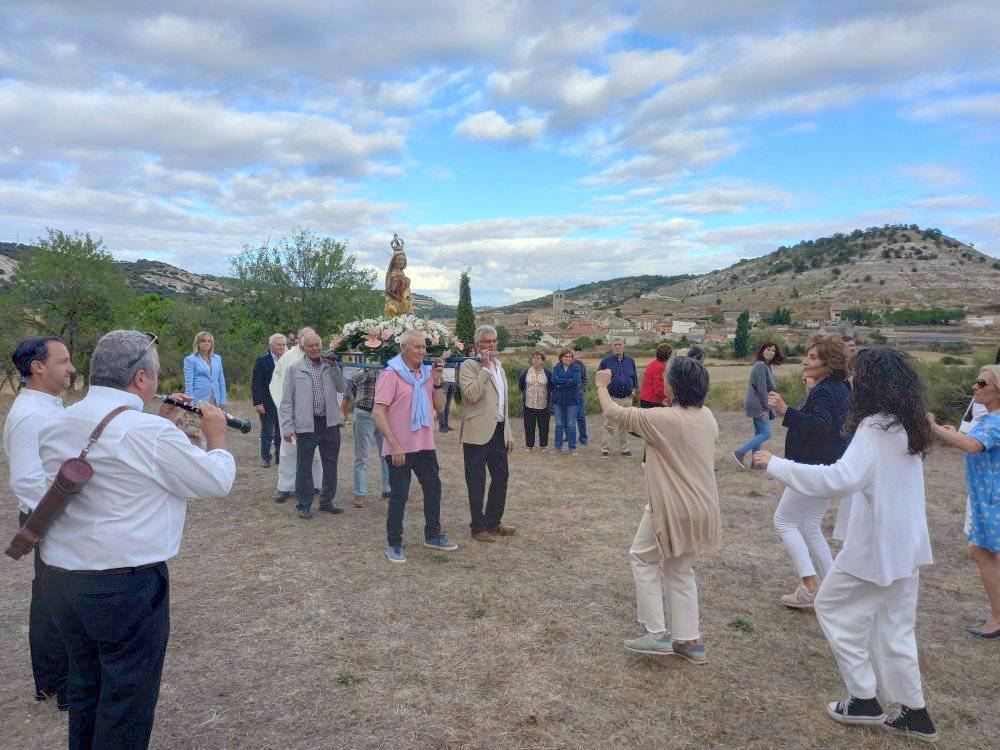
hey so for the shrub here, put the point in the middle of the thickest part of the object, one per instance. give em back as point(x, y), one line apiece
point(950, 360)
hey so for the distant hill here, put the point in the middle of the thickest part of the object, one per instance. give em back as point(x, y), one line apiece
point(893, 265)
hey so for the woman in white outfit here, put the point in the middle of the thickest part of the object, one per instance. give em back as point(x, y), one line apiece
point(867, 604)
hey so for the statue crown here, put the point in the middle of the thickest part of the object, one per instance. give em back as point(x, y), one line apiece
point(397, 243)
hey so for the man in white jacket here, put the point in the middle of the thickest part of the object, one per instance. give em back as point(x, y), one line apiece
point(287, 454)
point(867, 604)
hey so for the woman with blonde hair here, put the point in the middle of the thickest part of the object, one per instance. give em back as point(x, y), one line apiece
point(982, 478)
point(204, 379)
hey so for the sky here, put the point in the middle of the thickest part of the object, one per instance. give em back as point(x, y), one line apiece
point(539, 144)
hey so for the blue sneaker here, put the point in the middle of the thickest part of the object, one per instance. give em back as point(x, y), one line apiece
point(695, 654)
point(395, 553)
point(441, 542)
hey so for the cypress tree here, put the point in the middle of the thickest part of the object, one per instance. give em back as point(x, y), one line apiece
point(465, 323)
point(742, 340)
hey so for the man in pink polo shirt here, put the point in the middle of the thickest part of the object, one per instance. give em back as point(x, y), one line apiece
point(403, 396)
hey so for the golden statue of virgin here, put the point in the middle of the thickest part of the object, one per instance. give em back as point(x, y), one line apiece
point(397, 283)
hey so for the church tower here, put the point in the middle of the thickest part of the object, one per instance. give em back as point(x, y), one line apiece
point(558, 302)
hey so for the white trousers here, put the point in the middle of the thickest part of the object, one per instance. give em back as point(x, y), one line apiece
point(799, 520)
point(657, 578)
point(870, 629)
point(286, 467)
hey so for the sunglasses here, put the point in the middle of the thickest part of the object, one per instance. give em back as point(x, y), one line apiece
point(153, 340)
point(980, 383)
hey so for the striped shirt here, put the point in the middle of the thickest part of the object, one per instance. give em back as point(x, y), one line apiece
point(363, 387)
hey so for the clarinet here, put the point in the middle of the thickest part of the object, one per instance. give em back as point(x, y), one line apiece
point(243, 425)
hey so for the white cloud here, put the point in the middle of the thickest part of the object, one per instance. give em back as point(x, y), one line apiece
point(938, 175)
point(953, 202)
point(667, 156)
point(491, 126)
point(978, 106)
point(800, 127)
point(725, 198)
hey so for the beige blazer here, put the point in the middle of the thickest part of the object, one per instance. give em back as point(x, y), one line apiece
point(480, 402)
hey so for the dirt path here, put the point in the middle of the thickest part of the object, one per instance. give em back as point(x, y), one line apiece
point(301, 636)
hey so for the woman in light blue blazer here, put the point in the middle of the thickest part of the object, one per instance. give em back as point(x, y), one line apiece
point(204, 379)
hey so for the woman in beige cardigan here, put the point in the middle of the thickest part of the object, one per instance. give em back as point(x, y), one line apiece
point(682, 516)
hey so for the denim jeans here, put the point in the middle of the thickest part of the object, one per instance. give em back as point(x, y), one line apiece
point(270, 434)
point(448, 389)
point(565, 424)
point(115, 628)
point(581, 422)
point(761, 434)
point(327, 439)
point(425, 465)
point(364, 431)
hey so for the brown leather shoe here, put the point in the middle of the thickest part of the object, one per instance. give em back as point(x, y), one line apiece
point(359, 501)
point(484, 536)
point(502, 529)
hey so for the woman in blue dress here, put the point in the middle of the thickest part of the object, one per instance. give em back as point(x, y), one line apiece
point(982, 477)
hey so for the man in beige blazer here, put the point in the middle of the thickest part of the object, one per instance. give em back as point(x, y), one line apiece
point(486, 436)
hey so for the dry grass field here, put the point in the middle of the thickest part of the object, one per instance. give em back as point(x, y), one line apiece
point(301, 636)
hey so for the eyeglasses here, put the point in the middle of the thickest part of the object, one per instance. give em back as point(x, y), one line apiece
point(980, 383)
point(153, 340)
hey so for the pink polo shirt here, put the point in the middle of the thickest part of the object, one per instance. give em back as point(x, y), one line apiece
point(397, 395)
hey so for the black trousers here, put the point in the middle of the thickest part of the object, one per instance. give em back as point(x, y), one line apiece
point(539, 418)
point(270, 435)
point(327, 439)
point(49, 662)
point(116, 629)
point(479, 458)
point(425, 465)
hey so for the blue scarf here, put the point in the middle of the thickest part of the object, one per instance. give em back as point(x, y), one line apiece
point(420, 405)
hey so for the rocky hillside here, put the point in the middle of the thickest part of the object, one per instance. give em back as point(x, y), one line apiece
point(896, 265)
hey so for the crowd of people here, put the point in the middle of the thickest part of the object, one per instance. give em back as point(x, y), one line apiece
point(99, 616)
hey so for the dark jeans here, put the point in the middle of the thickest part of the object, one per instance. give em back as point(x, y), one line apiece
point(270, 435)
point(449, 391)
point(581, 423)
point(49, 662)
point(116, 629)
point(425, 465)
point(327, 439)
point(479, 458)
point(533, 418)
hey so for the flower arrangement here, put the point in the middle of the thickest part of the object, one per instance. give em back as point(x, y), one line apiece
point(379, 338)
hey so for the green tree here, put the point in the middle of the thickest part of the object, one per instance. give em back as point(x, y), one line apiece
point(583, 342)
point(718, 318)
point(465, 322)
point(69, 286)
point(304, 279)
point(503, 338)
point(780, 316)
point(564, 325)
point(740, 343)
point(536, 334)
point(12, 331)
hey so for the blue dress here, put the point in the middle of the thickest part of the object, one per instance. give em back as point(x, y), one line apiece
point(982, 477)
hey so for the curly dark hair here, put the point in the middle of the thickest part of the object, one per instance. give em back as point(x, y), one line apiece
point(663, 352)
point(778, 356)
point(885, 382)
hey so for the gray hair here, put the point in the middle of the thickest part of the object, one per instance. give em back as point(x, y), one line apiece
point(481, 330)
point(410, 333)
point(304, 330)
point(311, 335)
point(616, 339)
point(274, 337)
point(109, 364)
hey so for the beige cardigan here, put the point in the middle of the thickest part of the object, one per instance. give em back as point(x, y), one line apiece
point(680, 474)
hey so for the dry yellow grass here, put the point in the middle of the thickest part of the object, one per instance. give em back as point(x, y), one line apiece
point(297, 635)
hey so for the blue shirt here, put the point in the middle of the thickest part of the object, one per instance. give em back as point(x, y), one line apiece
point(982, 478)
point(624, 376)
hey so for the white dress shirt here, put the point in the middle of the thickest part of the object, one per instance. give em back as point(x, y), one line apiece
point(132, 512)
point(887, 535)
point(500, 381)
point(30, 410)
point(286, 360)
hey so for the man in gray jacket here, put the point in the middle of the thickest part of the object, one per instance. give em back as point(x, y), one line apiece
point(310, 416)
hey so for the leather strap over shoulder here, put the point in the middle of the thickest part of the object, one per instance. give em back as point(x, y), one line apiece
point(100, 429)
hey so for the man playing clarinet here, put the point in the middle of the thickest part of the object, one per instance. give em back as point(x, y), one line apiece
point(106, 553)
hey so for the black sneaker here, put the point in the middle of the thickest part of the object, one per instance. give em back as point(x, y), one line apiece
point(306, 515)
point(331, 508)
point(856, 711)
point(912, 722)
point(282, 496)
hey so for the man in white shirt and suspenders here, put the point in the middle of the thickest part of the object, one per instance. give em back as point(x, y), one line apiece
point(46, 371)
point(106, 553)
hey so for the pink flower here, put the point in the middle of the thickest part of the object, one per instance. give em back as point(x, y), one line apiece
point(373, 343)
point(386, 335)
